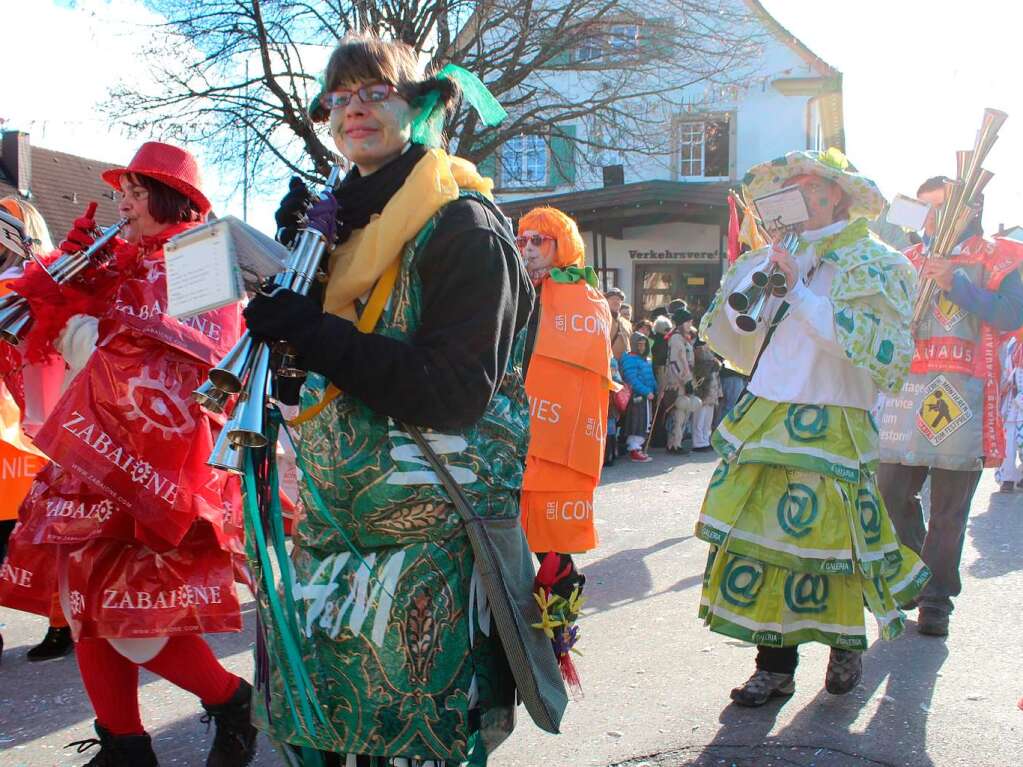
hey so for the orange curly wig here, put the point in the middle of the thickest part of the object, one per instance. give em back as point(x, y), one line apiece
point(554, 223)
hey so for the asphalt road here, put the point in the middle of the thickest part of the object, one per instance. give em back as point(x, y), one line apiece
point(656, 682)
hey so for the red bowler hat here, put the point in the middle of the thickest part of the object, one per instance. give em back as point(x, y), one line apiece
point(168, 164)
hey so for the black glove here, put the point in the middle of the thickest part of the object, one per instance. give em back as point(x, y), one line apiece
point(284, 316)
point(291, 214)
point(689, 388)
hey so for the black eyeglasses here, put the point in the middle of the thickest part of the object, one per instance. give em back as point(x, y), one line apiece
point(536, 239)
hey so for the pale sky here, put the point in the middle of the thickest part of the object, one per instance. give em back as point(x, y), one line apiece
point(917, 76)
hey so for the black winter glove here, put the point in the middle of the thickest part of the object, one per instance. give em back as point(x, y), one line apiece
point(284, 316)
point(291, 213)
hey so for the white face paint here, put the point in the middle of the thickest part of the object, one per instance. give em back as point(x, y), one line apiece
point(539, 259)
point(371, 135)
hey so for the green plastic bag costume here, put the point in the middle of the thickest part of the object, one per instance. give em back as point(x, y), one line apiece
point(800, 539)
point(396, 639)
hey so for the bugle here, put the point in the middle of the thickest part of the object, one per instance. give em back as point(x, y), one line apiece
point(962, 197)
point(16, 313)
point(245, 370)
point(766, 282)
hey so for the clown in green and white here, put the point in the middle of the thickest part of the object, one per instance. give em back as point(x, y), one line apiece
point(800, 539)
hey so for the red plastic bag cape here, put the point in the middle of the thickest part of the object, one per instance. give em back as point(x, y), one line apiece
point(28, 576)
point(127, 425)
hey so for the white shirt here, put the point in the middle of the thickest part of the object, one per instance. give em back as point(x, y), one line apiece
point(804, 362)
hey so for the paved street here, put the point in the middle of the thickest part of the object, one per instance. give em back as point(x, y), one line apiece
point(656, 683)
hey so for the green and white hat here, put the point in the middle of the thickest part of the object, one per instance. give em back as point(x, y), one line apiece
point(767, 177)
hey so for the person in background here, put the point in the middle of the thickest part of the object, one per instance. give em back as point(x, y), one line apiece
point(621, 328)
point(626, 311)
point(646, 327)
point(679, 379)
point(946, 422)
point(707, 387)
point(1010, 474)
point(639, 375)
point(16, 449)
point(565, 451)
point(732, 384)
point(613, 419)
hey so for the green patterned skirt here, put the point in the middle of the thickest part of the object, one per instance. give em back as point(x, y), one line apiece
point(800, 538)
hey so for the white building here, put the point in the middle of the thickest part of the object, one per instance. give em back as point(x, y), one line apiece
point(656, 225)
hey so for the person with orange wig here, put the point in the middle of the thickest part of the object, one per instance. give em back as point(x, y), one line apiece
point(568, 376)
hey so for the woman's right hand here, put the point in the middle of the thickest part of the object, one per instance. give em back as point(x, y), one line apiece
point(80, 237)
point(292, 210)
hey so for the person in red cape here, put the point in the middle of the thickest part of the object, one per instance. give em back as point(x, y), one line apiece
point(946, 422)
point(568, 376)
point(21, 460)
point(146, 534)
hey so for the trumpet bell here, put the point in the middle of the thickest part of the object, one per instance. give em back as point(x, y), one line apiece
point(210, 398)
point(15, 324)
point(229, 375)
point(247, 427)
point(740, 300)
point(226, 456)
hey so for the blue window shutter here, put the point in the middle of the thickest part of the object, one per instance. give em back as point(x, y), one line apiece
point(561, 169)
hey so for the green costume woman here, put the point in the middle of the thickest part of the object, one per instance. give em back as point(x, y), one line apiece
point(422, 322)
point(800, 539)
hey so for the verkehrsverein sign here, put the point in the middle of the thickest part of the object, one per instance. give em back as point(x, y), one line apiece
point(675, 255)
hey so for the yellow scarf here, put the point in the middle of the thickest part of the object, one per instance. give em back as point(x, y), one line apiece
point(356, 265)
point(371, 256)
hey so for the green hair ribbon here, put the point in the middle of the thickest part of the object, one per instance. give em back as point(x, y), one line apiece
point(429, 125)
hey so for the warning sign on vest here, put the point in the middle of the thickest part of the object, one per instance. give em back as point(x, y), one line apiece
point(942, 411)
point(948, 313)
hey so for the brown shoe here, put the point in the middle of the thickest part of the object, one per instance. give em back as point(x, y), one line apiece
point(763, 686)
point(932, 622)
point(845, 669)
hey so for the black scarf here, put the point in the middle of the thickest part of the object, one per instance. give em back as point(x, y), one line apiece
point(359, 197)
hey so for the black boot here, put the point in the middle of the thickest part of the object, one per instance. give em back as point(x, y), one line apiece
point(118, 750)
point(235, 742)
point(56, 644)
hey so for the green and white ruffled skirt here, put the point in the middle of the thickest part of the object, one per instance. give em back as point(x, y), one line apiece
point(800, 538)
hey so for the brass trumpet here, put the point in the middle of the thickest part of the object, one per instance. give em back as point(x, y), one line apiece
point(751, 302)
point(960, 205)
point(16, 314)
point(245, 369)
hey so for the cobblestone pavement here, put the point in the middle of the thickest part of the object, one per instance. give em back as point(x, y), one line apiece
point(656, 682)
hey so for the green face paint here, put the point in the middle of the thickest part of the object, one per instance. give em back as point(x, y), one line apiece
point(823, 202)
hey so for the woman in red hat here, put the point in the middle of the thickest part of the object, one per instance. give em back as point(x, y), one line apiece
point(147, 535)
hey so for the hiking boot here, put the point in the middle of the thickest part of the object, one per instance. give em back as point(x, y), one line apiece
point(639, 456)
point(235, 741)
point(845, 669)
point(1007, 487)
point(56, 644)
point(932, 622)
point(118, 750)
point(763, 686)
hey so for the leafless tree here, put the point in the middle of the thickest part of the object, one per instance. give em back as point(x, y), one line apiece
point(236, 76)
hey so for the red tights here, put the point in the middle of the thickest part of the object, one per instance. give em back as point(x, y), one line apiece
point(112, 681)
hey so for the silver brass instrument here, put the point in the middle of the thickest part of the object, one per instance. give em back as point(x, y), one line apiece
point(962, 197)
point(16, 314)
point(751, 302)
point(245, 369)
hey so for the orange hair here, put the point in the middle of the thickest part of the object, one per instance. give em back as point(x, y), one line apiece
point(554, 223)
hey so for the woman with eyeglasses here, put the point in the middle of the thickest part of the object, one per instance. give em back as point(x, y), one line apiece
point(568, 353)
point(419, 325)
point(147, 536)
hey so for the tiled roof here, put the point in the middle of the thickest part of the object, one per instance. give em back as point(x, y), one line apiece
point(62, 185)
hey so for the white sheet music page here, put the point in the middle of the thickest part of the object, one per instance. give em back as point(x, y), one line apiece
point(201, 271)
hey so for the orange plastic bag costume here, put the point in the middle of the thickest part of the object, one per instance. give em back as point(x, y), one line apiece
point(567, 383)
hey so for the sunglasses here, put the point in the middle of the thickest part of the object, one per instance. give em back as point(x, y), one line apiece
point(368, 94)
point(537, 240)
